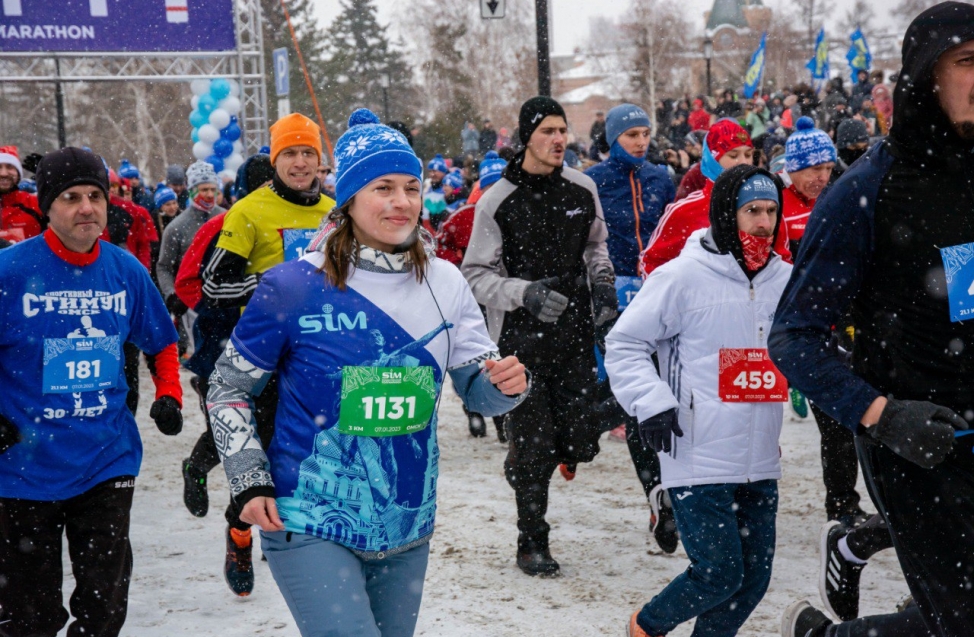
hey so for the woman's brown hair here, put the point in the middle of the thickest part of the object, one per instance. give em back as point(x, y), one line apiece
point(342, 250)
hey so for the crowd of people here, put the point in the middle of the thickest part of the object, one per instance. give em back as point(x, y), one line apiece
point(674, 286)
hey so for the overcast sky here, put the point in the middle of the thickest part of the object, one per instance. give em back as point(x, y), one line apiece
point(570, 18)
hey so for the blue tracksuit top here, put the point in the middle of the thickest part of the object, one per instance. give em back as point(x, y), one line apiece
point(620, 187)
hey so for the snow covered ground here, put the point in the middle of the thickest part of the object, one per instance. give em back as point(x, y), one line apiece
point(610, 563)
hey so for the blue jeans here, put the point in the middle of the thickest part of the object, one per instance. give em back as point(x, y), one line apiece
point(728, 531)
point(331, 592)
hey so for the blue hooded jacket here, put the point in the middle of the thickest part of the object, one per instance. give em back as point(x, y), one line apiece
point(631, 198)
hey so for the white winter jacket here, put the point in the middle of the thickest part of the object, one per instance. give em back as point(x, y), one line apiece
point(687, 310)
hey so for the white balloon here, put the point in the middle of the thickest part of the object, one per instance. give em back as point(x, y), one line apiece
point(230, 105)
point(200, 87)
point(209, 134)
point(195, 101)
point(233, 162)
point(228, 174)
point(234, 88)
point(202, 150)
point(219, 119)
point(238, 148)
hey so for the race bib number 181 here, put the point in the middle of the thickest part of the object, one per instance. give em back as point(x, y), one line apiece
point(749, 376)
point(74, 365)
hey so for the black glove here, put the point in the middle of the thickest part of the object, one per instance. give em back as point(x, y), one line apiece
point(542, 302)
point(605, 302)
point(920, 431)
point(175, 305)
point(657, 432)
point(9, 434)
point(165, 412)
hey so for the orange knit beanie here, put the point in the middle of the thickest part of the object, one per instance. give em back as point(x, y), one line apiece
point(294, 130)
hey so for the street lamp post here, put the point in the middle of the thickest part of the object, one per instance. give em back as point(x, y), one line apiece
point(708, 54)
point(384, 83)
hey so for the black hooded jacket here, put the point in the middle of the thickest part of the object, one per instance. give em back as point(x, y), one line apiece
point(873, 245)
point(925, 203)
point(723, 234)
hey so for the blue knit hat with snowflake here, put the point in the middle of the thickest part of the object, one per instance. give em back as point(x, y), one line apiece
point(368, 150)
point(491, 169)
point(438, 163)
point(807, 146)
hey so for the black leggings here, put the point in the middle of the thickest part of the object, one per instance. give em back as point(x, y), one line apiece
point(840, 467)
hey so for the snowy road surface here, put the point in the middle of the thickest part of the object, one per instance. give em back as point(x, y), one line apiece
point(610, 564)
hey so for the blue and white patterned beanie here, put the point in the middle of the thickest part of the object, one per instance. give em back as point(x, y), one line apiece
point(491, 169)
point(807, 146)
point(368, 150)
point(454, 179)
point(438, 163)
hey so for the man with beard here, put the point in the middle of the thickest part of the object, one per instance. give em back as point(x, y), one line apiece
point(20, 217)
point(538, 261)
point(706, 315)
point(891, 240)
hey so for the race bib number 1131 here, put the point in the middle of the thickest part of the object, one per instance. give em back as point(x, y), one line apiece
point(747, 375)
point(386, 401)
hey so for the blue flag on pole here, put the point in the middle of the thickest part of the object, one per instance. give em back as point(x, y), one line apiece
point(819, 64)
point(755, 70)
point(859, 57)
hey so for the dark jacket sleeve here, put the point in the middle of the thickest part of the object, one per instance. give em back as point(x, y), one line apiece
point(829, 270)
point(224, 282)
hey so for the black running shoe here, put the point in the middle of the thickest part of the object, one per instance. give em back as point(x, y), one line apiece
point(195, 497)
point(662, 524)
point(478, 428)
point(534, 559)
point(838, 580)
point(238, 568)
point(801, 619)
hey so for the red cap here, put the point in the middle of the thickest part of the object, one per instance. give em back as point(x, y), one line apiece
point(726, 135)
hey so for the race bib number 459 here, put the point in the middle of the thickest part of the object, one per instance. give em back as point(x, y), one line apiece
point(386, 401)
point(748, 376)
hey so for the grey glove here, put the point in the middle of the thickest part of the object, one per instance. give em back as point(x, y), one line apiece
point(919, 431)
point(542, 302)
point(605, 302)
point(656, 432)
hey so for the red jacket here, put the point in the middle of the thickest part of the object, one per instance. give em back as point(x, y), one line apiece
point(454, 235)
point(796, 208)
point(189, 278)
point(699, 120)
point(142, 233)
point(679, 221)
point(693, 180)
point(20, 216)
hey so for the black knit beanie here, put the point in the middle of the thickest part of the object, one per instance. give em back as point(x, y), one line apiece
point(65, 168)
point(533, 113)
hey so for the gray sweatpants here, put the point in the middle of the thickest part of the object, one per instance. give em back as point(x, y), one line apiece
point(333, 593)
